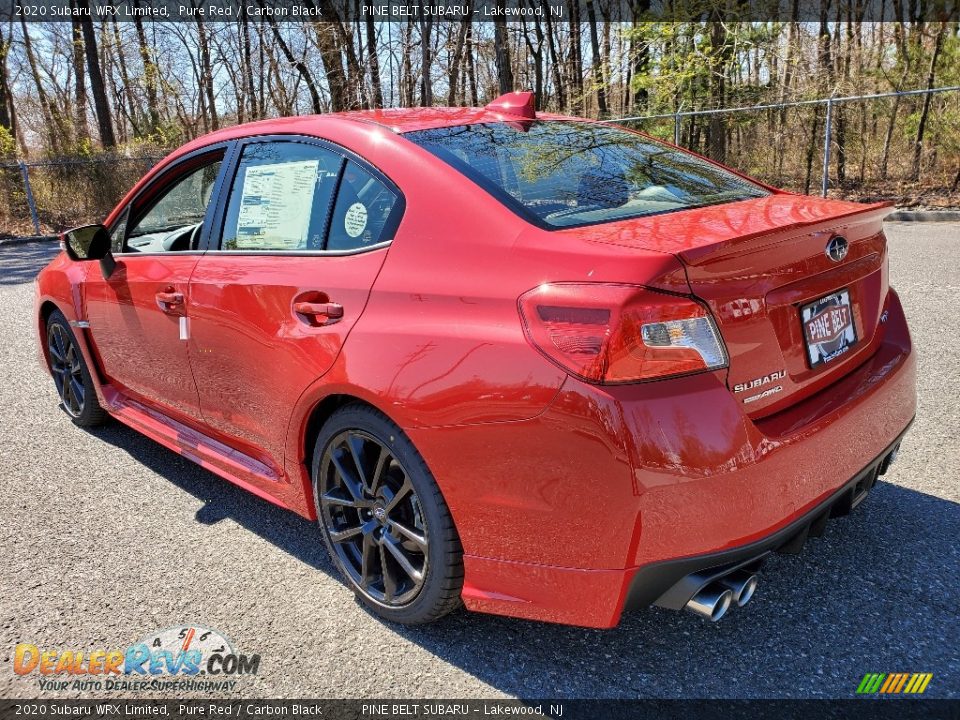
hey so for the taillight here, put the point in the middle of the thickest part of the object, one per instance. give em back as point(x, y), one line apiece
point(620, 333)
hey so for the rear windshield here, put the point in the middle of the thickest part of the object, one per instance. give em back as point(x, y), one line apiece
point(564, 174)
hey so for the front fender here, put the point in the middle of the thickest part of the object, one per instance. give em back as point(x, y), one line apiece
point(60, 286)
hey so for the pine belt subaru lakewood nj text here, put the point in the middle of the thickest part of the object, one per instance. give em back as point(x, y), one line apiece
point(543, 366)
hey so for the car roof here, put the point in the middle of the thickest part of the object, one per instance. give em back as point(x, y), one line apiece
point(394, 120)
point(397, 120)
point(402, 120)
point(511, 107)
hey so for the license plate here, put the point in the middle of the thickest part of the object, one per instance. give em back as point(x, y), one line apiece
point(828, 327)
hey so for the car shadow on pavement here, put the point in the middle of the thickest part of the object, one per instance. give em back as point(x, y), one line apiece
point(285, 529)
point(20, 263)
point(876, 593)
point(878, 590)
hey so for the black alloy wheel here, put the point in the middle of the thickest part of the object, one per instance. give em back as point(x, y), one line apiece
point(70, 374)
point(373, 518)
point(385, 522)
point(66, 369)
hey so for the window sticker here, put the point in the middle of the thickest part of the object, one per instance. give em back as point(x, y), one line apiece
point(276, 205)
point(355, 221)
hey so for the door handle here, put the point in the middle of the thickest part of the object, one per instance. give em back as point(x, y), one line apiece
point(171, 302)
point(320, 313)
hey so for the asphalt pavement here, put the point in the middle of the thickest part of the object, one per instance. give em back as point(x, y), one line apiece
point(107, 536)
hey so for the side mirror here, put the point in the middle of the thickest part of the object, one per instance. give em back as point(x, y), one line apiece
point(90, 242)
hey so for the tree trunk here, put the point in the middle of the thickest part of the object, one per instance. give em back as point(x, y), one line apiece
point(787, 85)
point(206, 74)
point(536, 50)
point(811, 149)
point(150, 76)
point(554, 61)
point(426, 64)
point(502, 50)
point(471, 68)
point(355, 91)
point(255, 112)
point(406, 70)
point(576, 59)
point(374, 61)
point(924, 114)
point(885, 158)
point(100, 103)
point(300, 66)
point(82, 130)
point(718, 97)
point(332, 61)
point(7, 112)
point(598, 80)
point(455, 63)
point(639, 59)
point(135, 113)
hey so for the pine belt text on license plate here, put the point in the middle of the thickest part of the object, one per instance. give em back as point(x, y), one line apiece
point(828, 327)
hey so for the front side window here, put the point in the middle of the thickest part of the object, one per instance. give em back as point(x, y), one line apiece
point(281, 197)
point(172, 222)
point(564, 174)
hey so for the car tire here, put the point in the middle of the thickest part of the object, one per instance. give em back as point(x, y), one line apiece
point(70, 374)
point(385, 520)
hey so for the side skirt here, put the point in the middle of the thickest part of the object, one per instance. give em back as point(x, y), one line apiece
point(220, 459)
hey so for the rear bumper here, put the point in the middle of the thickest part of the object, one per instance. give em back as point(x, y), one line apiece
point(672, 583)
point(615, 494)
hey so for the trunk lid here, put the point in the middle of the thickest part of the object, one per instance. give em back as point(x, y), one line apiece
point(762, 266)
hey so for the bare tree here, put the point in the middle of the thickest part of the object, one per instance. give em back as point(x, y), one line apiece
point(598, 79)
point(100, 103)
point(373, 60)
point(502, 50)
point(925, 113)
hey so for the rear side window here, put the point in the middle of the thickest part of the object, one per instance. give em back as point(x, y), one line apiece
point(281, 197)
point(362, 211)
point(565, 174)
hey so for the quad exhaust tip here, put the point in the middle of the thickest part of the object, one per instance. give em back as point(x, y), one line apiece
point(742, 584)
point(712, 602)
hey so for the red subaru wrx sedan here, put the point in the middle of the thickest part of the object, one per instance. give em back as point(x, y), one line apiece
point(541, 366)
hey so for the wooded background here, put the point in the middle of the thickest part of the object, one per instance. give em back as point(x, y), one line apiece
point(101, 100)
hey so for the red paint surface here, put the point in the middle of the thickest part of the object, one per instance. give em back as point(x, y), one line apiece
point(559, 489)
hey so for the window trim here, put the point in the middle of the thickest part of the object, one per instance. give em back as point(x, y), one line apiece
point(521, 210)
point(164, 178)
point(211, 245)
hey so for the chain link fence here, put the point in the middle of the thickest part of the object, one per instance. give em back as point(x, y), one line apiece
point(51, 195)
point(859, 147)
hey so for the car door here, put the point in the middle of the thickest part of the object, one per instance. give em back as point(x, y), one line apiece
point(138, 315)
point(305, 230)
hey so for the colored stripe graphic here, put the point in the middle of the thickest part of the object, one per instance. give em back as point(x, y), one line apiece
point(918, 683)
point(894, 683)
point(891, 681)
point(870, 683)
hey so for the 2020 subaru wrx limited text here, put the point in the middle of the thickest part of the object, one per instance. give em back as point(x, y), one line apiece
point(546, 367)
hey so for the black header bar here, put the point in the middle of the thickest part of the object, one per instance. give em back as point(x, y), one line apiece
point(874, 708)
point(512, 11)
